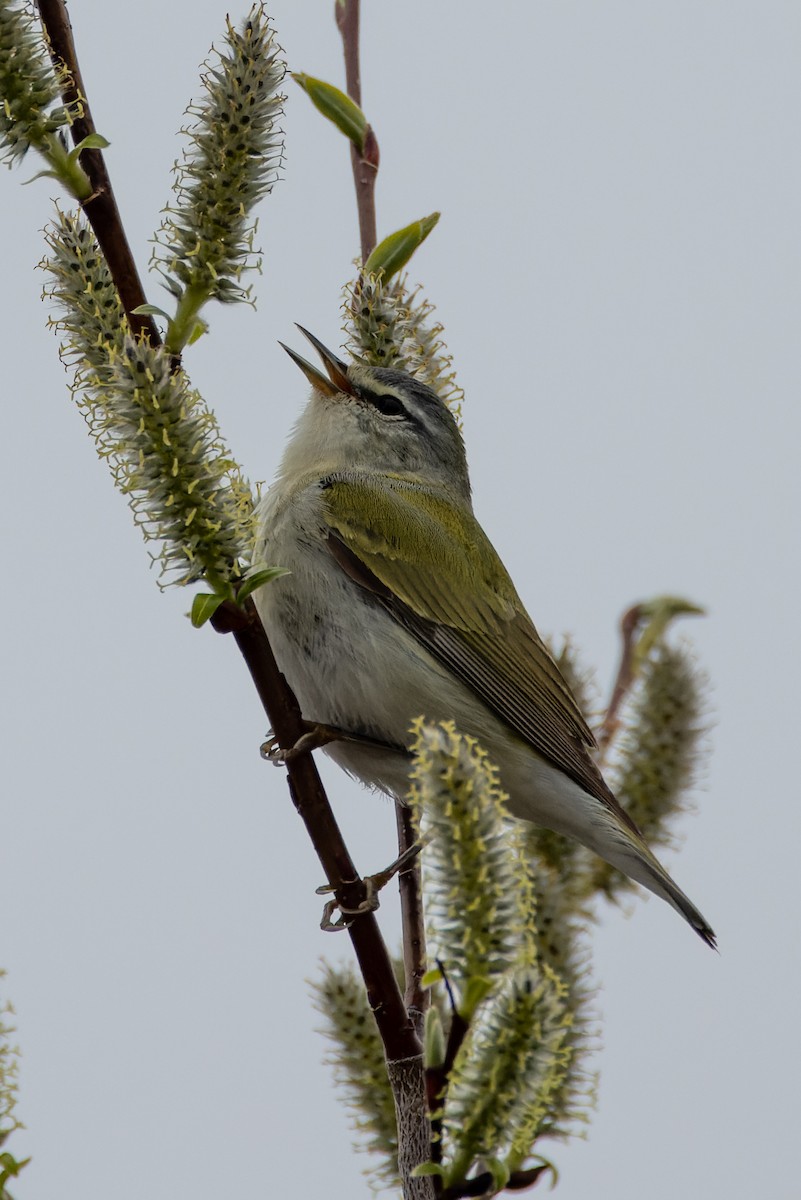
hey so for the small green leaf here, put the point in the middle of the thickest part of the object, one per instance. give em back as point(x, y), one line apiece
point(150, 310)
point(434, 1055)
point(200, 327)
point(11, 1168)
point(475, 991)
point(434, 975)
point(173, 287)
point(428, 1169)
point(499, 1172)
point(42, 175)
point(659, 613)
point(258, 579)
point(92, 141)
point(392, 255)
point(336, 106)
point(204, 606)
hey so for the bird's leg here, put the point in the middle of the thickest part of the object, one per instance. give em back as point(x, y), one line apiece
point(373, 884)
point(313, 738)
point(316, 735)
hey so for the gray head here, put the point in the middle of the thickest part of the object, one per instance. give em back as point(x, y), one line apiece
point(376, 419)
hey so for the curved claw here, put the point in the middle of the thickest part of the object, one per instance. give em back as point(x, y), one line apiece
point(329, 926)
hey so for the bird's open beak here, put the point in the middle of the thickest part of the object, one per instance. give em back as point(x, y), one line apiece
point(337, 381)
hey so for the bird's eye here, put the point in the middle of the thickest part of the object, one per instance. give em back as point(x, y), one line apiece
point(385, 402)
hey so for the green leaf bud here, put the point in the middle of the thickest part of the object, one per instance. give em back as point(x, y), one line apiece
point(392, 254)
point(204, 606)
point(336, 106)
point(434, 1038)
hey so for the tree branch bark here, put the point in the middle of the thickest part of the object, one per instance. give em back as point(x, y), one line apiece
point(365, 165)
point(101, 208)
point(629, 624)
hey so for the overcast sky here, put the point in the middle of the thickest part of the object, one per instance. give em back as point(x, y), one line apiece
point(617, 267)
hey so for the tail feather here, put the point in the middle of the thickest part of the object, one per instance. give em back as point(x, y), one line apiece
point(637, 861)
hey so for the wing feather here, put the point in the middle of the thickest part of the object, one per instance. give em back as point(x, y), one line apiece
point(430, 564)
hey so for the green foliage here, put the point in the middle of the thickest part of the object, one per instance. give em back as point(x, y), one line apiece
point(388, 325)
point(161, 441)
point(9, 1084)
point(516, 975)
point(9, 1071)
point(508, 915)
point(359, 1066)
point(512, 1022)
point(205, 244)
point(657, 753)
point(29, 87)
point(478, 916)
point(562, 920)
point(392, 254)
point(336, 106)
point(505, 1074)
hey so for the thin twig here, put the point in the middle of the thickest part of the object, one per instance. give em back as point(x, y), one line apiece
point(101, 207)
point(416, 996)
point(437, 1078)
point(365, 165)
point(629, 625)
point(282, 709)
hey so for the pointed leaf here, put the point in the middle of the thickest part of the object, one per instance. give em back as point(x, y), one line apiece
point(92, 141)
point(336, 106)
point(659, 613)
point(432, 976)
point(41, 175)
point(150, 310)
point(204, 606)
point(200, 327)
point(173, 287)
point(428, 1169)
point(258, 579)
point(392, 255)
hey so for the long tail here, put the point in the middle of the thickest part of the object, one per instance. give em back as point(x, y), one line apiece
point(636, 860)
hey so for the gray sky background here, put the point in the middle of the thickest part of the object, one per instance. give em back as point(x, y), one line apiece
point(617, 267)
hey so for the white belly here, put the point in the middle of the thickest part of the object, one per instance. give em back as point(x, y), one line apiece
point(352, 666)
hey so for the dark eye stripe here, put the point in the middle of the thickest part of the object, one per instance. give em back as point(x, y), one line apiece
point(385, 402)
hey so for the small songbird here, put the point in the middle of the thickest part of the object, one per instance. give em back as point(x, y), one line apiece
point(398, 606)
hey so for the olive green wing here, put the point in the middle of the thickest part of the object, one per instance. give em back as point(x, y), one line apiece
point(430, 564)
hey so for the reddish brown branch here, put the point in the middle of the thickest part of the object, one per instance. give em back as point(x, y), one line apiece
point(364, 164)
point(629, 625)
point(416, 996)
point(396, 1029)
point(101, 207)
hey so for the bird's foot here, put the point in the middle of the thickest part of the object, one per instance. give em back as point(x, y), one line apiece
point(316, 735)
point(373, 884)
point(313, 738)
